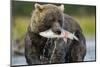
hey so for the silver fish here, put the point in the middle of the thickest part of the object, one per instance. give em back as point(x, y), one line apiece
point(64, 34)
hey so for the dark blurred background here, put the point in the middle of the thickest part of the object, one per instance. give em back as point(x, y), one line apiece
point(20, 19)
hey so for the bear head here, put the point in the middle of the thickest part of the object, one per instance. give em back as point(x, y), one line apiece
point(46, 17)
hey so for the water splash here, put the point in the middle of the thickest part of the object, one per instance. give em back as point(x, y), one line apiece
point(55, 45)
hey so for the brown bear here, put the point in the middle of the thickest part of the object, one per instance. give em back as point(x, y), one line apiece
point(40, 50)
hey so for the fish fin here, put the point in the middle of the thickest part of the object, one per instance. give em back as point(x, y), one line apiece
point(76, 38)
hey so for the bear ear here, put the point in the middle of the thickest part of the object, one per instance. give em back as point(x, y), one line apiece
point(38, 6)
point(61, 7)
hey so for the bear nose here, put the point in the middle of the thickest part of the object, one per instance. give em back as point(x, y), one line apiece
point(57, 32)
point(56, 28)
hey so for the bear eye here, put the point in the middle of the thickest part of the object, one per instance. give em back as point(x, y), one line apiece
point(59, 20)
point(51, 19)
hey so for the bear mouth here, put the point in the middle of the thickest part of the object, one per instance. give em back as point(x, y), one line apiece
point(64, 35)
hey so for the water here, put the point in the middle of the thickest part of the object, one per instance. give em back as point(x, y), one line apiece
point(19, 60)
point(90, 56)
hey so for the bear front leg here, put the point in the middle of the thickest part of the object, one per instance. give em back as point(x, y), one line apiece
point(77, 50)
point(30, 52)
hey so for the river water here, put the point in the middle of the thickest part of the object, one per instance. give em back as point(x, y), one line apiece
point(90, 56)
